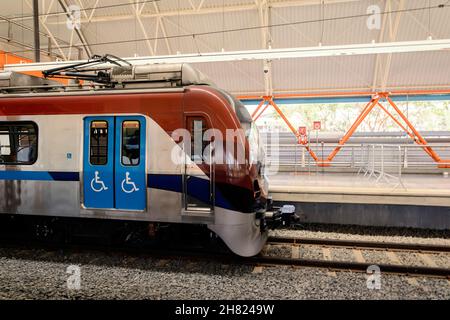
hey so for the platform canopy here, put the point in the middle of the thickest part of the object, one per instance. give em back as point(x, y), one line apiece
point(130, 28)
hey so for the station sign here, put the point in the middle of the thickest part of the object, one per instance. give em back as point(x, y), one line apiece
point(317, 125)
point(302, 131)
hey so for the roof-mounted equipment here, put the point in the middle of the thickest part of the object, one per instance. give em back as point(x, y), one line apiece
point(88, 71)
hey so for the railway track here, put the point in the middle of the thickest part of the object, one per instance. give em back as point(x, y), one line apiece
point(265, 259)
point(390, 248)
point(360, 244)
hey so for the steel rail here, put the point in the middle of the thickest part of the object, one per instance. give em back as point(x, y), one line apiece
point(227, 257)
point(352, 266)
point(360, 244)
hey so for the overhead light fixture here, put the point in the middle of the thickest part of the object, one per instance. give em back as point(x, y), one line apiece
point(267, 54)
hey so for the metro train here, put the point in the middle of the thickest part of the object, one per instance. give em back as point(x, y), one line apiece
point(103, 147)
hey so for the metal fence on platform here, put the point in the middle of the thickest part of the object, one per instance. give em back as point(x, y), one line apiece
point(290, 156)
point(382, 163)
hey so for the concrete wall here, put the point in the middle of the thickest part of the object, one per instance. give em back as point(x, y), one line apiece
point(374, 215)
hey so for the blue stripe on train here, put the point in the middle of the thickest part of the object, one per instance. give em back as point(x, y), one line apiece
point(170, 182)
point(199, 188)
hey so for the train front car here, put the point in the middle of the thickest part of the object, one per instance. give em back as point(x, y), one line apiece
point(225, 145)
point(156, 144)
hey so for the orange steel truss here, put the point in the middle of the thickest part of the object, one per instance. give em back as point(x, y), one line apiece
point(374, 102)
point(9, 58)
point(268, 101)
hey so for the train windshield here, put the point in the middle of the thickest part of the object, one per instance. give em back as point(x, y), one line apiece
point(257, 153)
point(245, 119)
point(241, 112)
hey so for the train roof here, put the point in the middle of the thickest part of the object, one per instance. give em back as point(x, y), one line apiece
point(152, 76)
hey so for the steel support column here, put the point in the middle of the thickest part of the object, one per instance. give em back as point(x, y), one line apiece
point(37, 42)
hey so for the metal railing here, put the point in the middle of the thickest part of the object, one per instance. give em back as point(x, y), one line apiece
point(382, 163)
point(294, 157)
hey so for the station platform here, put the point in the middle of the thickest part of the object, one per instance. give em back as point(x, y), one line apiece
point(417, 189)
point(423, 201)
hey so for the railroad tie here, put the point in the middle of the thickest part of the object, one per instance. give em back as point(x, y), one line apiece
point(412, 281)
point(393, 257)
point(295, 254)
point(326, 253)
point(427, 260)
point(396, 260)
point(257, 269)
point(327, 256)
point(358, 256)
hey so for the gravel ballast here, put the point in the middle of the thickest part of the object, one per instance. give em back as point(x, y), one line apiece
point(27, 273)
point(39, 274)
point(377, 234)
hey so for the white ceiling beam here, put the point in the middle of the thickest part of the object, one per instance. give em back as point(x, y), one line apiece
point(208, 47)
point(393, 31)
point(312, 90)
point(52, 37)
point(92, 12)
point(70, 44)
point(383, 62)
point(80, 4)
point(163, 29)
point(48, 34)
point(155, 43)
point(203, 10)
point(264, 20)
point(200, 5)
point(419, 23)
point(272, 54)
point(380, 39)
point(144, 32)
point(79, 32)
point(137, 16)
point(48, 10)
point(192, 5)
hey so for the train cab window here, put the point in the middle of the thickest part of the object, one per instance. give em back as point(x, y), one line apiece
point(18, 143)
point(197, 128)
point(131, 143)
point(99, 143)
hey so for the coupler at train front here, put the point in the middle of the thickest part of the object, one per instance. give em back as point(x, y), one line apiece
point(274, 217)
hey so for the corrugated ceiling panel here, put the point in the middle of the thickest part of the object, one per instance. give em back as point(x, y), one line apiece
point(103, 8)
point(236, 77)
point(242, 40)
point(109, 37)
point(334, 73)
point(419, 70)
point(415, 70)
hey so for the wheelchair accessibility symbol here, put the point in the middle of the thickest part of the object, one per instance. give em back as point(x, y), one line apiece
point(100, 185)
point(128, 186)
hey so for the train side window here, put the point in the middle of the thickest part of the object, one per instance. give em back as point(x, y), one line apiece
point(197, 128)
point(131, 145)
point(98, 154)
point(18, 143)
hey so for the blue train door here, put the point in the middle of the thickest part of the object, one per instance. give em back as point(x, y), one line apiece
point(114, 163)
point(130, 181)
point(98, 162)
